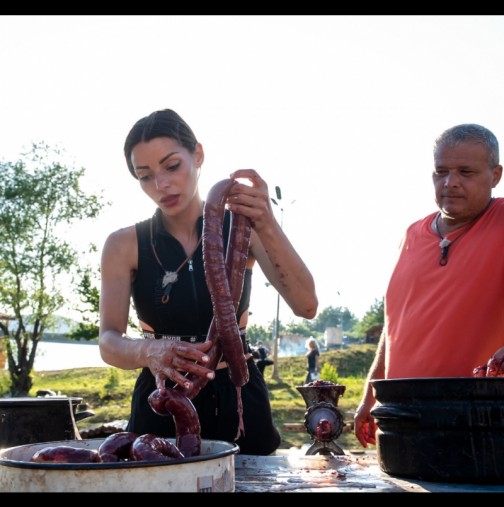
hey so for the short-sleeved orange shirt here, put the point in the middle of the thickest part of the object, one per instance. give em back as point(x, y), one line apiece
point(443, 321)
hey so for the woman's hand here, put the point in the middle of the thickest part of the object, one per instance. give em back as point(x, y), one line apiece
point(171, 360)
point(253, 200)
point(270, 247)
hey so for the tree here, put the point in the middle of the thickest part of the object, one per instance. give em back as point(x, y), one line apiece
point(88, 328)
point(39, 196)
point(257, 334)
point(303, 328)
point(373, 318)
point(334, 317)
point(89, 308)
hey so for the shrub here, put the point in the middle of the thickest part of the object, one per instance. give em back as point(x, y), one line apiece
point(113, 379)
point(329, 373)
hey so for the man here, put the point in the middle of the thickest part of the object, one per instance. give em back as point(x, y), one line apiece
point(444, 305)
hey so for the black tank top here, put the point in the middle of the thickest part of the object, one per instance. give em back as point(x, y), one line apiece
point(189, 309)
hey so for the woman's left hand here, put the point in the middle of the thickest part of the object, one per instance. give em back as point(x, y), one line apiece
point(270, 247)
point(253, 201)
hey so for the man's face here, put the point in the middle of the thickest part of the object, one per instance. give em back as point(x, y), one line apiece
point(463, 181)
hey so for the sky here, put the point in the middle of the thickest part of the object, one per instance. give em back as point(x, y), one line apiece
point(340, 112)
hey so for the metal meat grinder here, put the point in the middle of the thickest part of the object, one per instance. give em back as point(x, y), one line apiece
point(323, 419)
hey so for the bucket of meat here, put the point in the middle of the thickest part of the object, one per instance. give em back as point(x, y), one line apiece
point(211, 471)
point(441, 429)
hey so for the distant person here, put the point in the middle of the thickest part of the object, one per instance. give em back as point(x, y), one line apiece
point(158, 264)
point(444, 304)
point(262, 354)
point(312, 358)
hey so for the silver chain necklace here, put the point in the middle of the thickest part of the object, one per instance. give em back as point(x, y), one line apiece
point(445, 243)
point(169, 277)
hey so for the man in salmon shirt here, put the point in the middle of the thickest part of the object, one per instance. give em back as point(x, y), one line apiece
point(444, 305)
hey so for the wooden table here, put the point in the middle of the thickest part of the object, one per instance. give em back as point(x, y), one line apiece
point(352, 472)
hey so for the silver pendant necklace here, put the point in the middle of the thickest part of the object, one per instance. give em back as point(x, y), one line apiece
point(445, 243)
point(169, 277)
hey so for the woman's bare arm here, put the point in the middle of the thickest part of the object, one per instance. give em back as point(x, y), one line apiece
point(165, 359)
point(275, 254)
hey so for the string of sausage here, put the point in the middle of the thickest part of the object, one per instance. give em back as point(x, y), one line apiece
point(218, 283)
point(121, 446)
point(187, 425)
point(236, 263)
point(224, 276)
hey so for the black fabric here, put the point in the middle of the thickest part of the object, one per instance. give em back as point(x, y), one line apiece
point(189, 309)
point(311, 364)
point(217, 409)
point(262, 363)
point(312, 359)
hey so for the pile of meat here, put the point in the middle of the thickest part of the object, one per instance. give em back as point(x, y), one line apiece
point(128, 446)
point(320, 383)
point(493, 368)
point(122, 446)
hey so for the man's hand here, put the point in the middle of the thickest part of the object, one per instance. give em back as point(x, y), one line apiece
point(365, 427)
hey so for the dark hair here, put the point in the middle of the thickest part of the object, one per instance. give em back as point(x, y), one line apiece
point(470, 133)
point(162, 123)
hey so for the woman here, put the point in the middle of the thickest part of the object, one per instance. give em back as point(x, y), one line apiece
point(312, 358)
point(163, 154)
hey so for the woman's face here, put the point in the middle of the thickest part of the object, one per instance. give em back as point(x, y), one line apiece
point(168, 173)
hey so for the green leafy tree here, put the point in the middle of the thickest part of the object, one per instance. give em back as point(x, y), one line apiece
point(39, 196)
point(373, 318)
point(89, 294)
point(302, 328)
point(257, 334)
point(334, 317)
point(272, 328)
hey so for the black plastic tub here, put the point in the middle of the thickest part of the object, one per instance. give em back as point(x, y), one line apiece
point(441, 429)
point(30, 420)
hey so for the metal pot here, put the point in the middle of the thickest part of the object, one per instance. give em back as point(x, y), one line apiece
point(441, 429)
point(212, 471)
point(30, 420)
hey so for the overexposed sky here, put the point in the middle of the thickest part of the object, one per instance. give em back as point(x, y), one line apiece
point(339, 111)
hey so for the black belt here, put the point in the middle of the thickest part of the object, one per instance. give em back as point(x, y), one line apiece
point(189, 338)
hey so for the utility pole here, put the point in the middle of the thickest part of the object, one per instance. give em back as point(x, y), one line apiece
point(276, 342)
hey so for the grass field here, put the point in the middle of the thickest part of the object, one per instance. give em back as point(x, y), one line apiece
point(107, 391)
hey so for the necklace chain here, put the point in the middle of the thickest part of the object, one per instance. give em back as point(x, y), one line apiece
point(445, 243)
point(169, 277)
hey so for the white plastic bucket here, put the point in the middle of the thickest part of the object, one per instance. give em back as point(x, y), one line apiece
point(211, 471)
